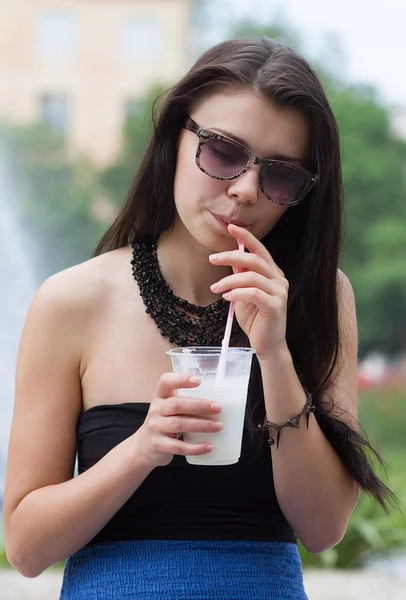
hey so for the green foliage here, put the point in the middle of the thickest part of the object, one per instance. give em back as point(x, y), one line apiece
point(117, 178)
point(382, 413)
point(374, 173)
point(3, 560)
point(373, 165)
point(380, 289)
point(53, 196)
point(371, 531)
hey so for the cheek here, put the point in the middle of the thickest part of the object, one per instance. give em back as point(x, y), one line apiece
point(191, 185)
point(271, 216)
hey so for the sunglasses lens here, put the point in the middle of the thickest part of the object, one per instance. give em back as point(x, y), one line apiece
point(220, 158)
point(283, 184)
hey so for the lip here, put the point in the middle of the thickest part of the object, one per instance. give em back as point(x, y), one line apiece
point(229, 221)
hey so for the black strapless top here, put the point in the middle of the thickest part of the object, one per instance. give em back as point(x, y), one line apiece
point(182, 501)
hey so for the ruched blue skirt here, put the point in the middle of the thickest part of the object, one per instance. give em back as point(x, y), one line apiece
point(184, 570)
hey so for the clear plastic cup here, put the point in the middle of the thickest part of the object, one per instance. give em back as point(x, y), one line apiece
point(230, 391)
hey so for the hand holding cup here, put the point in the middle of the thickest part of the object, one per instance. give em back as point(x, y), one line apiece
point(170, 415)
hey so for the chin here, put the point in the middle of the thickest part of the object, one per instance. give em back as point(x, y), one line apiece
point(221, 243)
point(209, 235)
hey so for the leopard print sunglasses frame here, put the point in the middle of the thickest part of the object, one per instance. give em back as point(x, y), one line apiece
point(204, 136)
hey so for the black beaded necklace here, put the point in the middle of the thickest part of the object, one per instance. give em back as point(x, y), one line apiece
point(183, 323)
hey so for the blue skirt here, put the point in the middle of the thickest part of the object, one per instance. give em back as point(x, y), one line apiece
point(184, 570)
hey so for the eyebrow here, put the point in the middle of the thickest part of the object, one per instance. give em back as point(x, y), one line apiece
point(244, 143)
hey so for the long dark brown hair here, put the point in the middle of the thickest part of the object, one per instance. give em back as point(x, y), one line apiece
point(305, 243)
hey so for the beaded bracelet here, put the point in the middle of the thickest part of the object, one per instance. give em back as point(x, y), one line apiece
point(294, 422)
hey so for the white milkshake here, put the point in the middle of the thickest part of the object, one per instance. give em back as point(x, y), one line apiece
point(228, 386)
point(231, 394)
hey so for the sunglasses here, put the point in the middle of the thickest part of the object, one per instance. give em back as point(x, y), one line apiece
point(223, 158)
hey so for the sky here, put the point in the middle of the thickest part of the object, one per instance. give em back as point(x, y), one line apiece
point(372, 35)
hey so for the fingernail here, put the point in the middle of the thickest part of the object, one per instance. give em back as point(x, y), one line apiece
point(215, 407)
point(209, 447)
point(194, 379)
point(214, 257)
point(214, 287)
point(217, 425)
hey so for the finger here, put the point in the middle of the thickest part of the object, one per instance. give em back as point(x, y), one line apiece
point(182, 405)
point(243, 280)
point(185, 424)
point(253, 245)
point(244, 260)
point(186, 448)
point(262, 300)
point(168, 383)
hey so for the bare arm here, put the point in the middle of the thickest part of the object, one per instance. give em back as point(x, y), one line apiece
point(53, 522)
point(315, 492)
point(48, 515)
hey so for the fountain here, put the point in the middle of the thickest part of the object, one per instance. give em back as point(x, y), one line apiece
point(17, 289)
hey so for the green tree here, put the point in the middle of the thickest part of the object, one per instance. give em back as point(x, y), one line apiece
point(53, 198)
point(374, 169)
point(117, 177)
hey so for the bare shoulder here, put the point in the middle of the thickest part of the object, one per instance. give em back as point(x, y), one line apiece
point(83, 288)
point(344, 287)
point(71, 303)
point(70, 306)
point(48, 394)
point(346, 303)
point(347, 317)
point(344, 387)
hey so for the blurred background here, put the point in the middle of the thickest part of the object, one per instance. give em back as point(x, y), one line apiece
point(77, 79)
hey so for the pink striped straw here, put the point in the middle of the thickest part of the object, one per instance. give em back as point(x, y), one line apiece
point(227, 335)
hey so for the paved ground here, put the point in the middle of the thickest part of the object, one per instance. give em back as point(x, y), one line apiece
point(320, 585)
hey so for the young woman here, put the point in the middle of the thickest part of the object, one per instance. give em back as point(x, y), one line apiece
point(245, 147)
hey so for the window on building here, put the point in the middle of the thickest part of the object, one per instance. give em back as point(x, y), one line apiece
point(56, 35)
point(55, 111)
point(142, 39)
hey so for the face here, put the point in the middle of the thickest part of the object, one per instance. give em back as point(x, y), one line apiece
point(204, 204)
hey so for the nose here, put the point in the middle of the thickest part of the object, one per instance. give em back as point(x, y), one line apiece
point(246, 188)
